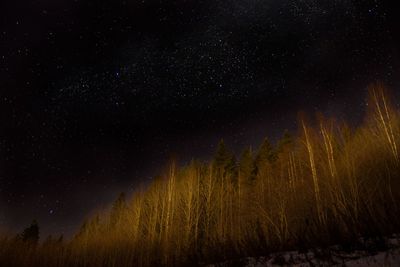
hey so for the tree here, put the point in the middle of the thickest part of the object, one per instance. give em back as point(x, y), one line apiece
point(246, 166)
point(224, 160)
point(60, 239)
point(222, 156)
point(31, 233)
point(53, 241)
point(88, 228)
point(118, 208)
point(231, 167)
point(285, 141)
point(264, 155)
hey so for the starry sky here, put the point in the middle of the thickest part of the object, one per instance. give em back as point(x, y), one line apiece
point(96, 96)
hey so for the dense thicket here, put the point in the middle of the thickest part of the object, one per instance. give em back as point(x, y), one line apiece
point(327, 184)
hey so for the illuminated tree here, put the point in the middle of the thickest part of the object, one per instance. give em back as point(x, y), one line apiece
point(246, 166)
point(118, 209)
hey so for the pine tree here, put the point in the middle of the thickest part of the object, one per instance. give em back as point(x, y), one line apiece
point(222, 156)
point(265, 155)
point(117, 210)
point(60, 239)
point(224, 161)
point(31, 233)
point(246, 166)
point(231, 169)
point(284, 142)
point(83, 230)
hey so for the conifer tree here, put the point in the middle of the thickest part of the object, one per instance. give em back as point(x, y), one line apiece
point(231, 167)
point(117, 210)
point(246, 166)
point(265, 155)
point(31, 233)
point(82, 230)
point(284, 142)
point(222, 156)
point(224, 161)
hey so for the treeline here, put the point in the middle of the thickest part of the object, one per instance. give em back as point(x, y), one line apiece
point(328, 184)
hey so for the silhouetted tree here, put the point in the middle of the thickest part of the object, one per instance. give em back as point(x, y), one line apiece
point(60, 239)
point(265, 155)
point(231, 165)
point(224, 160)
point(222, 155)
point(31, 233)
point(284, 142)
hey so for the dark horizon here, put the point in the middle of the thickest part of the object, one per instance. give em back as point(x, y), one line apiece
point(95, 98)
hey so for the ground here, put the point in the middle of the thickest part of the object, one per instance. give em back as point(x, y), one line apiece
point(371, 256)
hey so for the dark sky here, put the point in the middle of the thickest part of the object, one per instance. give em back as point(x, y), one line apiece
point(95, 96)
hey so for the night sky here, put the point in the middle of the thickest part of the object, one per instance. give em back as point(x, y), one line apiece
point(96, 96)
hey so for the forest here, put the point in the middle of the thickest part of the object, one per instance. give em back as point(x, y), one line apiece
point(328, 183)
